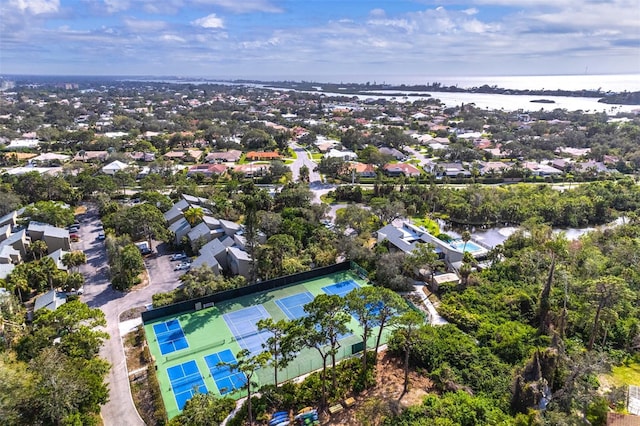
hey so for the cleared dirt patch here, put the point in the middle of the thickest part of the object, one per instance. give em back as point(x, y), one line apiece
point(372, 406)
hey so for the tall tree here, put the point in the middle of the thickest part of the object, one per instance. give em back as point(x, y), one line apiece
point(326, 316)
point(424, 255)
point(607, 292)
point(142, 221)
point(466, 236)
point(407, 326)
point(38, 249)
point(248, 365)
point(74, 259)
point(556, 247)
point(361, 303)
point(388, 305)
point(282, 345)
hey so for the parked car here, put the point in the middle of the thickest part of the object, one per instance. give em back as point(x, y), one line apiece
point(73, 229)
point(178, 256)
point(74, 237)
point(76, 292)
point(76, 225)
point(182, 266)
point(101, 236)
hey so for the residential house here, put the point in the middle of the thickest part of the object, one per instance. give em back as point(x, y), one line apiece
point(231, 156)
point(55, 238)
point(5, 231)
point(189, 155)
point(449, 170)
point(50, 300)
point(49, 159)
point(57, 258)
point(5, 270)
point(230, 228)
point(263, 156)
point(207, 170)
point(539, 169)
point(14, 248)
point(97, 156)
point(401, 169)
point(199, 235)
point(406, 236)
point(251, 170)
point(398, 155)
point(239, 261)
point(344, 155)
point(114, 167)
point(363, 170)
point(9, 219)
point(493, 167)
point(192, 200)
point(142, 156)
point(214, 254)
point(174, 214)
point(179, 229)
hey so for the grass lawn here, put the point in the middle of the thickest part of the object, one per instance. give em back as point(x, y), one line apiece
point(317, 156)
point(625, 374)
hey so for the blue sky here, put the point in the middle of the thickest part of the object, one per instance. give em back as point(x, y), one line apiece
point(345, 40)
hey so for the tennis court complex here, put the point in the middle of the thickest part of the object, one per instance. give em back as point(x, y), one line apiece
point(195, 351)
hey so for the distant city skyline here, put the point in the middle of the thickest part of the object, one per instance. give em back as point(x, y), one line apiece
point(319, 40)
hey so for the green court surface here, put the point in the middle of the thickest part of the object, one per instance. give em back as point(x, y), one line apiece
point(207, 333)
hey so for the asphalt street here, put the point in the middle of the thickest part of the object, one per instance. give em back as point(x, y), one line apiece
point(98, 293)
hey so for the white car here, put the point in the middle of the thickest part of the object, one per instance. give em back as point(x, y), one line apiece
point(178, 256)
point(182, 266)
point(76, 292)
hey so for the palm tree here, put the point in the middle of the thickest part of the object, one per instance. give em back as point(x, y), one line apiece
point(38, 249)
point(466, 236)
point(193, 215)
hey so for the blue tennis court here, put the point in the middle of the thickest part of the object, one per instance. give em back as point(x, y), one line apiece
point(170, 336)
point(186, 381)
point(341, 288)
point(242, 324)
point(293, 306)
point(227, 377)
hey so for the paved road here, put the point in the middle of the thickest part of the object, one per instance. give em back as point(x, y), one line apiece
point(303, 158)
point(98, 293)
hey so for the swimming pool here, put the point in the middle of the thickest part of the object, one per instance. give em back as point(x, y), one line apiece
point(471, 246)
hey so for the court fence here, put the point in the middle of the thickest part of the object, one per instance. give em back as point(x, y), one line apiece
point(197, 303)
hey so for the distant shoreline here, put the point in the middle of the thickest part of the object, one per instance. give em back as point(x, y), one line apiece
point(625, 97)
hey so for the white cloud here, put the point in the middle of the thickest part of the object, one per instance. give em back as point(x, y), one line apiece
point(117, 5)
point(172, 38)
point(377, 13)
point(393, 23)
point(209, 21)
point(36, 7)
point(242, 6)
point(138, 25)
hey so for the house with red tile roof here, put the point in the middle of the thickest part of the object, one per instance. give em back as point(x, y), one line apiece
point(363, 170)
point(263, 155)
point(207, 169)
point(401, 169)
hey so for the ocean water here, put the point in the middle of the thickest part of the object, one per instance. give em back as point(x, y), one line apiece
point(607, 82)
point(604, 82)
